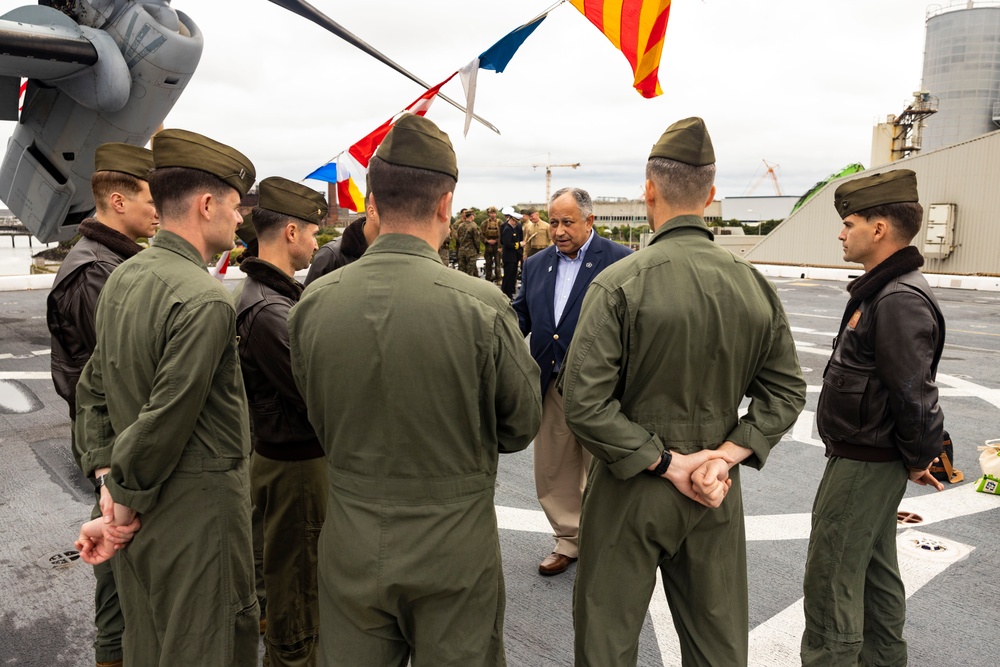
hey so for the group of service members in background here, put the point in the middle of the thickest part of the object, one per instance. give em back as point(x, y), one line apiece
point(375, 444)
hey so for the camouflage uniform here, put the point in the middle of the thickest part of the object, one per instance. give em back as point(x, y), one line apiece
point(467, 240)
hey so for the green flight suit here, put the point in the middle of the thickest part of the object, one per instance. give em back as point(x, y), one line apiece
point(670, 340)
point(162, 403)
point(412, 424)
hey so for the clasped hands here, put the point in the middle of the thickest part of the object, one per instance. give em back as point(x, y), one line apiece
point(100, 538)
point(704, 476)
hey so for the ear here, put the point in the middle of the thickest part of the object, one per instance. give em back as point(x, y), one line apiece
point(711, 197)
point(117, 200)
point(205, 203)
point(649, 193)
point(589, 221)
point(880, 230)
point(291, 232)
point(443, 211)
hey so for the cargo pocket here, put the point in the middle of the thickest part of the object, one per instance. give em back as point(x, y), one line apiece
point(842, 410)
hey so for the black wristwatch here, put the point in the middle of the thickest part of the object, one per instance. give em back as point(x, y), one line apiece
point(661, 467)
point(99, 482)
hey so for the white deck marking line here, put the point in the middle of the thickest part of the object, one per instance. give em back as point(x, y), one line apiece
point(775, 643)
point(824, 317)
point(25, 375)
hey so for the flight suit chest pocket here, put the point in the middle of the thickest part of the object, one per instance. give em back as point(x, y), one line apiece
point(843, 409)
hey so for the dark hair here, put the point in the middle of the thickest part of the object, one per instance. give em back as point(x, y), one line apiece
point(904, 218)
point(105, 183)
point(171, 187)
point(406, 192)
point(267, 223)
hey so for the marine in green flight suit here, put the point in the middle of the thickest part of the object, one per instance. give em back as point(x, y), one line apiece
point(669, 342)
point(412, 426)
point(162, 403)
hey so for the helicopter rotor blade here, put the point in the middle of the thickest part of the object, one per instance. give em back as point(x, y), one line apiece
point(307, 11)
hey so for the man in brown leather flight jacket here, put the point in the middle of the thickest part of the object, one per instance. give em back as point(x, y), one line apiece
point(879, 418)
point(125, 213)
point(287, 472)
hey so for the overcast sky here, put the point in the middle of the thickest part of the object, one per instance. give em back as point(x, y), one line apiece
point(797, 83)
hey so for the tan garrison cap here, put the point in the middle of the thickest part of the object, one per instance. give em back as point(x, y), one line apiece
point(180, 148)
point(292, 199)
point(892, 187)
point(246, 231)
point(124, 158)
point(686, 141)
point(416, 142)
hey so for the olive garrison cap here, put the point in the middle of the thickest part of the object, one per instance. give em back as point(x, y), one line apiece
point(686, 141)
point(292, 199)
point(892, 187)
point(417, 142)
point(124, 158)
point(180, 148)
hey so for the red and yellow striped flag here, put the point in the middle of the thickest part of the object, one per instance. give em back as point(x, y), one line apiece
point(636, 28)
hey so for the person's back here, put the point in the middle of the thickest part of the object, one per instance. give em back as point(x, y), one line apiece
point(706, 290)
point(412, 454)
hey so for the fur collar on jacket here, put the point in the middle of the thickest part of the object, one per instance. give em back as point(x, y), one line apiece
point(354, 243)
point(271, 276)
point(112, 239)
point(900, 262)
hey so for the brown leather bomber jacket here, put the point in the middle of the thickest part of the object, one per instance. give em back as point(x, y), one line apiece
point(879, 401)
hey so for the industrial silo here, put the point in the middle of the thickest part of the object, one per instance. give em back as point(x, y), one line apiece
point(962, 70)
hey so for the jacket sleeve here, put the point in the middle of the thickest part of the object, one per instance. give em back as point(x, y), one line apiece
point(147, 451)
point(268, 340)
point(93, 434)
point(905, 341)
point(777, 393)
point(518, 402)
point(594, 365)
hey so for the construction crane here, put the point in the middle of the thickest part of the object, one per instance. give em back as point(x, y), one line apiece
point(548, 175)
point(770, 173)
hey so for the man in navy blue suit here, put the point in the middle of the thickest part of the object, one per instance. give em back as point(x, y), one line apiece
point(553, 283)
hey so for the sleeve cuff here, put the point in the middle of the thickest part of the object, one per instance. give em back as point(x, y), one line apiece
point(748, 437)
point(637, 461)
point(140, 501)
point(92, 459)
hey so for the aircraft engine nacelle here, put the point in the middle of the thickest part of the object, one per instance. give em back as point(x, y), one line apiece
point(45, 174)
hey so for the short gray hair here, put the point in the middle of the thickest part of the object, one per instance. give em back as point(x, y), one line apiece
point(683, 185)
point(582, 197)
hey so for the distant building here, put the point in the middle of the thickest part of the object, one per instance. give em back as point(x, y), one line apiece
point(959, 235)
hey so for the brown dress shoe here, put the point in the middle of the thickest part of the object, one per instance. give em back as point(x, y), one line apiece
point(554, 564)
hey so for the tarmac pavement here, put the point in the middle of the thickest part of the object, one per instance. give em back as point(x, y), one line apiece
point(950, 562)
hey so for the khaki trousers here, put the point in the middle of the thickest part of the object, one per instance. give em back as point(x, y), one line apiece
point(560, 473)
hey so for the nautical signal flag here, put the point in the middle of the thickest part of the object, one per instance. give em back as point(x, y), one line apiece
point(350, 168)
point(637, 29)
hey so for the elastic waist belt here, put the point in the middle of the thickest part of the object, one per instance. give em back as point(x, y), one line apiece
point(198, 463)
point(411, 490)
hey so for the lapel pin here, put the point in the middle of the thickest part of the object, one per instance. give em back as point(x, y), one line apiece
point(590, 265)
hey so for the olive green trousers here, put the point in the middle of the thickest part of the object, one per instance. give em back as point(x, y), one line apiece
point(291, 497)
point(855, 604)
point(632, 528)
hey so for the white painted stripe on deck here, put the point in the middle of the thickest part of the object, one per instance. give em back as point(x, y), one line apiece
point(25, 375)
point(775, 643)
point(530, 521)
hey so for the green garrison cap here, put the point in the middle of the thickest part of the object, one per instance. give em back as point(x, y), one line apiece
point(180, 148)
point(686, 141)
point(892, 187)
point(416, 142)
point(293, 199)
point(246, 231)
point(124, 158)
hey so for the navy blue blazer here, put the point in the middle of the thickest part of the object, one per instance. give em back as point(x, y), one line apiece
point(534, 302)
